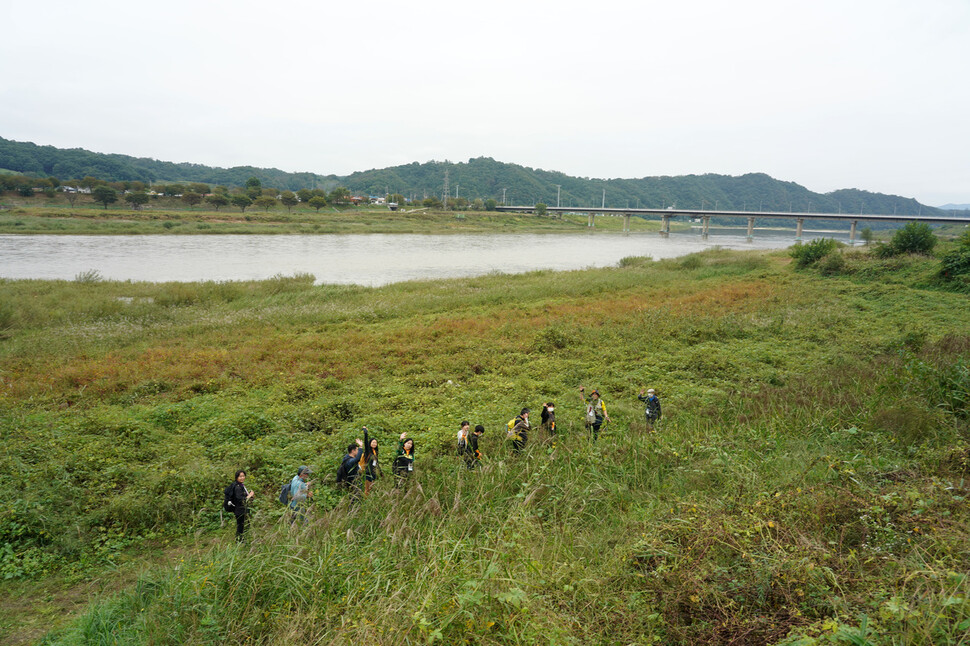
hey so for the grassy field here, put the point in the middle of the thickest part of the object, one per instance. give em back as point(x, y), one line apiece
point(94, 220)
point(808, 486)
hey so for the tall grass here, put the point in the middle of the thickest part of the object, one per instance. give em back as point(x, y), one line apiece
point(809, 480)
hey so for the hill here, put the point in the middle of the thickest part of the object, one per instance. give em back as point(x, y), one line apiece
point(482, 177)
point(809, 479)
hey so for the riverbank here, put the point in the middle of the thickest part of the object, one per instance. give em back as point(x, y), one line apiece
point(809, 478)
point(97, 221)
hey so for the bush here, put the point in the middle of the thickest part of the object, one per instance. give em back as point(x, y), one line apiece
point(957, 263)
point(806, 255)
point(915, 237)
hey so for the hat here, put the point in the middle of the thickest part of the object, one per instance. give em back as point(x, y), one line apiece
point(650, 391)
point(302, 470)
point(595, 392)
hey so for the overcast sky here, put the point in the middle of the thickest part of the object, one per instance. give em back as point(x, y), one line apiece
point(870, 94)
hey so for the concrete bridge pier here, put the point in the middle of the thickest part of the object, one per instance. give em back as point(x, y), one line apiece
point(626, 223)
point(591, 224)
point(706, 227)
point(798, 229)
point(665, 226)
point(750, 228)
point(852, 232)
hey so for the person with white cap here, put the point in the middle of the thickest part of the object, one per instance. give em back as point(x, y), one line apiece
point(652, 411)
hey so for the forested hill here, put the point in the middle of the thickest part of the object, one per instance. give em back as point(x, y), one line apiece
point(482, 177)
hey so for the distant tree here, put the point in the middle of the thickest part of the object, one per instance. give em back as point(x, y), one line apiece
point(70, 191)
point(304, 194)
point(265, 202)
point(271, 192)
point(25, 190)
point(431, 202)
point(318, 192)
point(317, 202)
point(53, 181)
point(339, 195)
point(198, 187)
point(191, 198)
point(253, 182)
point(104, 195)
point(242, 201)
point(90, 182)
point(397, 198)
point(137, 187)
point(254, 192)
point(541, 208)
point(221, 190)
point(289, 200)
point(490, 204)
point(217, 200)
point(478, 204)
point(137, 199)
point(866, 235)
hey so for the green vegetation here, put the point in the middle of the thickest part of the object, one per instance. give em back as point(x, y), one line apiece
point(913, 237)
point(809, 483)
point(35, 220)
point(482, 178)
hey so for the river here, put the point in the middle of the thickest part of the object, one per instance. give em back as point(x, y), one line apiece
point(371, 259)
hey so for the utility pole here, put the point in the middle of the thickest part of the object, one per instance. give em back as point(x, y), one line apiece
point(446, 191)
point(503, 196)
point(604, 198)
point(558, 188)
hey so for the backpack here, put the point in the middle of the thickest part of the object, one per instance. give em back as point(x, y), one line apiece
point(342, 472)
point(511, 424)
point(227, 498)
point(285, 493)
point(590, 414)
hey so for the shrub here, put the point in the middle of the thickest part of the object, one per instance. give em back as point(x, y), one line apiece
point(834, 263)
point(957, 263)
point(806, 255)
point(915, 237)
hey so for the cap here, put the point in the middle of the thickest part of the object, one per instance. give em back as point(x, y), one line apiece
point(302, 470)
point(650, 391)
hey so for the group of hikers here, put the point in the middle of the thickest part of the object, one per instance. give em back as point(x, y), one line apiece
point(362, 458)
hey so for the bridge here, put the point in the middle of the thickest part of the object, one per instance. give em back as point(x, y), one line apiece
point(706, 215)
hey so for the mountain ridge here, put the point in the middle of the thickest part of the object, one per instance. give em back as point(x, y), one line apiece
point(478, 178)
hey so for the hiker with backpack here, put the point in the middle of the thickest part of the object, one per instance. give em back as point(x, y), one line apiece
point(519, 431)
point(349, 468)
point(404, 461)
point(472, 455)
point(372, 470)
point(595, 411)
point(652, 411)
point(299, 494)
point(236, 499)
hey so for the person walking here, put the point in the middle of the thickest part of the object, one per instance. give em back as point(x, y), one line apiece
point(372, 469)
point(595, 411)
point(463, 437)
point(548, 418)
point(299, 494)
point(237, 499)
point(652, 411)
point(349, 469)
point(404, 461)
point(473, 456)
point(519, 433)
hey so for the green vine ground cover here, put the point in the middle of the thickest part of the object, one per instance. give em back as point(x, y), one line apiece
point(808, 485)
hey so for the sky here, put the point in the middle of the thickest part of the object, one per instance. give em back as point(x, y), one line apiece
point(830, 94)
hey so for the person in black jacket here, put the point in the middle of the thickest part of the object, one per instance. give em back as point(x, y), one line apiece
point(349, 468)
point(404, 461)
point(372, 469)
point(239, 498)
point(652, 411)
point(549, 418)
point(472, 455)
